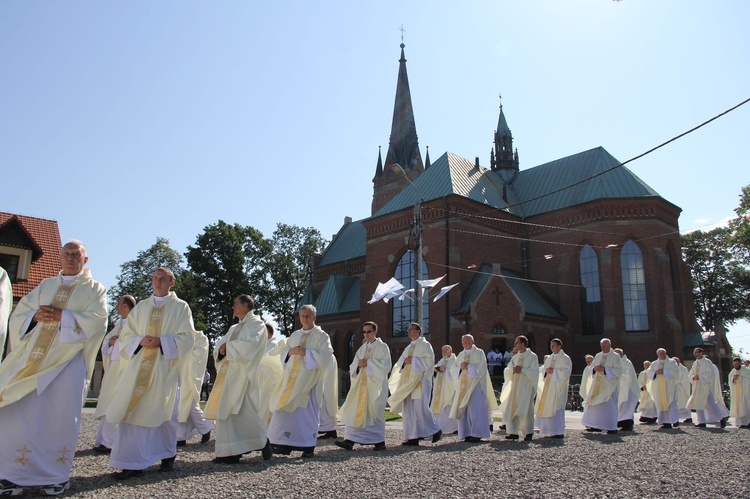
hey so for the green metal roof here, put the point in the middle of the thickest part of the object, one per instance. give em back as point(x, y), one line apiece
point(340, 295)
point(527, 196)
point(535, 302)
point(474, 289)
point(618, 183)
point(349, 243)
point(699, 339)
point(453, 175)
point(533, 299)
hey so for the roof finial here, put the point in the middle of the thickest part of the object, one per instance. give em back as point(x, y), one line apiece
point(500, 96)
point(402, 34)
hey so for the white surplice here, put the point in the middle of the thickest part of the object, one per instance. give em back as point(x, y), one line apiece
point(40, 413)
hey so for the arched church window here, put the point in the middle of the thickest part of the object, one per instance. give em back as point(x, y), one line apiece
point(592, 321)
point(404, 311)
point(633, 288)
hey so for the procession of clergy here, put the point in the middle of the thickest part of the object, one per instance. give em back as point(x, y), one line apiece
point(279, 398)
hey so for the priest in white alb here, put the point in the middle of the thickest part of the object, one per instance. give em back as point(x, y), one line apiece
point(705, 391)
point(112, 363)
point(410, 385)
point(601, 409)
point(628, 394)
point(474, 399)
point(54, 335)
point(295, 404)
point(683, 391)
point(192, 421)
point(329, 403)
point(519, 390)
point(157, 341)
point(235, 398)
point(443, 389)
point(585, 378)
point(363, 411)
point(552, 392)
point(663, 377)
point(739, 391)
point(646, 404)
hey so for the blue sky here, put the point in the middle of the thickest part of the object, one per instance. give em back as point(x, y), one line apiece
point(125, 121)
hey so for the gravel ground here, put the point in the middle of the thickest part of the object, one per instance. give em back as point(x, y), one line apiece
point(683, 462)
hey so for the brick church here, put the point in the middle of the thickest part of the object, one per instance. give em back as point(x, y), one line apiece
point(579, 248)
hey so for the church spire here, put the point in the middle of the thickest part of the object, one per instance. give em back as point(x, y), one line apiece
point(379, 167)
point(427, 158)
point(403, 147)
point(502, 158)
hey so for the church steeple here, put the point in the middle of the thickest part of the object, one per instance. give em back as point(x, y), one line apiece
point(502, 158)
point(403, 148)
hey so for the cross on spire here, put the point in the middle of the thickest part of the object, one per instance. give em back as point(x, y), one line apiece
point(402, 32)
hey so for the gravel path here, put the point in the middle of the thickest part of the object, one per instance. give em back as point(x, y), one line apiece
point(708, 462)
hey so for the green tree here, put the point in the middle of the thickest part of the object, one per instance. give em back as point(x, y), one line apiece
point(135, 277)
point(721, 283)
point(227, 260)
point(290, 269)
point(740, 227)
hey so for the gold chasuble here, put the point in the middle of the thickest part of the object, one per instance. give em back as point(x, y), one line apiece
point(601, 387)
point(147, 389)
point(444, 387)
point(552, 392)
point(365, 402)
point(407, 382)
point(739, 391)
point(42, 351)
point(701, 388)
point(294, 390)
point(467, 385)
point(238, 369)
point(520, 388)
point(662, 387)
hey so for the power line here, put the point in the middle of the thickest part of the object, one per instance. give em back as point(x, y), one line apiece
point(579, 182)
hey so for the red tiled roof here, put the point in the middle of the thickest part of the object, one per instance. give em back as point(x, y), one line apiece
point(46, 235)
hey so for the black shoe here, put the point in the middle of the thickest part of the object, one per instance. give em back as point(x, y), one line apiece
point(281, 449)
point(307, 454)
point(102, 449)
point(227, 459)
point(528, 437)
point(167, 464)
point(267, 451)
point(675, 425)
point(345, 444)
point(436, 437)
point(501, 427)
point(511, 437)
point(611, 432)
point(472, 439)
point(327, 434)
point(723, 422)
point(181, 443)
point(492, 428)
point(127, 474)
point(626, 425)
point(688, 420)
point(666, 426)
point(206, 437)
point(701, 425)
point(413, 442)
point(380, 446)
point(595, 430)
point(558, 436)
point(8, 488)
